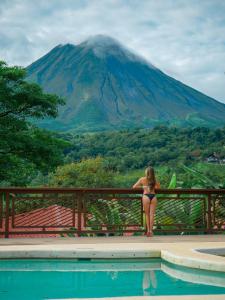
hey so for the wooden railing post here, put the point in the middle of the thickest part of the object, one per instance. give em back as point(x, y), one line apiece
point(79, 211)
point(209, 213)
point(1, 208)
point(7, 214)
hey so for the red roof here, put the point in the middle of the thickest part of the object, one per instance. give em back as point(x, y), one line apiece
point(51, 218)
point(54, 217)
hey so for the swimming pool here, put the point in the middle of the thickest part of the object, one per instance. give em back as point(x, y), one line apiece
point(57, 279)
point(214, 251)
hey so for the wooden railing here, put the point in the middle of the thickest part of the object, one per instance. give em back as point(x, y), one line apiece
point(80, 211)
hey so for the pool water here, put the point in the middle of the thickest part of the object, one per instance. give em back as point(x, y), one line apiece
point(214, 251)
point(61, 279)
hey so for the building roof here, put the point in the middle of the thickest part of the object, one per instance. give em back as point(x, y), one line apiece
point(51, 218)
point(54, 217)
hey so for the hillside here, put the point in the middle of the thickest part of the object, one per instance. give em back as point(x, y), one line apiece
point(135, 149)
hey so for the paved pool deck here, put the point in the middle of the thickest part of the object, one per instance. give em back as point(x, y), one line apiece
point(115, 239)
point(181, 250)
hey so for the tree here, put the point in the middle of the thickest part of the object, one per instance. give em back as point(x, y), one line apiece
point(23, 146)
point(91, 172)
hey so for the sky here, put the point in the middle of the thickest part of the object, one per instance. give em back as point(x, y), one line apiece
point(183, 38)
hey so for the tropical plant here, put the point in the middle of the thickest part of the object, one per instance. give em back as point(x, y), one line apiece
point(187, 209)
point(25, 149)
point(203, 181)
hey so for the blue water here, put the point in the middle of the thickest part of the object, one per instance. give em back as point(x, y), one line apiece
point(54, 279)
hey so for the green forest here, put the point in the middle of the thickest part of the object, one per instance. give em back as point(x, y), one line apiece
point(31, 156)
point(183, 151)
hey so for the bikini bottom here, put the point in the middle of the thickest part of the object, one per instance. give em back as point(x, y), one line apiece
point(150, 196)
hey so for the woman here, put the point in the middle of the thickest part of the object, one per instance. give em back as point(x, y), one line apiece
point(149, 184)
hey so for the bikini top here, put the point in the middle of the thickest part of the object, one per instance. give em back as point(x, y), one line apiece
point(147, 189)
point(157, 185)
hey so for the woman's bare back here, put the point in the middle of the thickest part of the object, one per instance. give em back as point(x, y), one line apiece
point(146, 187)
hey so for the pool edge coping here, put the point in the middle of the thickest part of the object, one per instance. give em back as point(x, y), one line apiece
point(184, 254)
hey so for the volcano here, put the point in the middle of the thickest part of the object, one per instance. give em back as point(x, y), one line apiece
point(106, 87)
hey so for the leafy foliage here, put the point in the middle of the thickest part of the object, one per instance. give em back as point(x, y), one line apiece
point(92, 172)
point(135, 149)
point(24, 149)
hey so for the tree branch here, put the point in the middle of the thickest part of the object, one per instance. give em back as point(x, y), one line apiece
point(6, 113)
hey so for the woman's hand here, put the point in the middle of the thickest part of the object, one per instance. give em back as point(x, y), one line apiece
point(138, 184)
point(157, 186)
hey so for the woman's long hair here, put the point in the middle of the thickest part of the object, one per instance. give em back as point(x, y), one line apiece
point(150, 175)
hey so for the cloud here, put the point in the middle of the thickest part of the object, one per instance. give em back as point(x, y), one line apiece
point(185, 39)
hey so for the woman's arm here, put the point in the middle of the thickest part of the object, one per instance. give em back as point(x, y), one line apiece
point(157, 185)
point(138, 184)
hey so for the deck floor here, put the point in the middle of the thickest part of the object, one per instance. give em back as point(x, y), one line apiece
point(119, 239)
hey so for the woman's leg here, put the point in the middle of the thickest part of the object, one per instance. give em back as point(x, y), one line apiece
point(152, 213)
point(146, 205)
